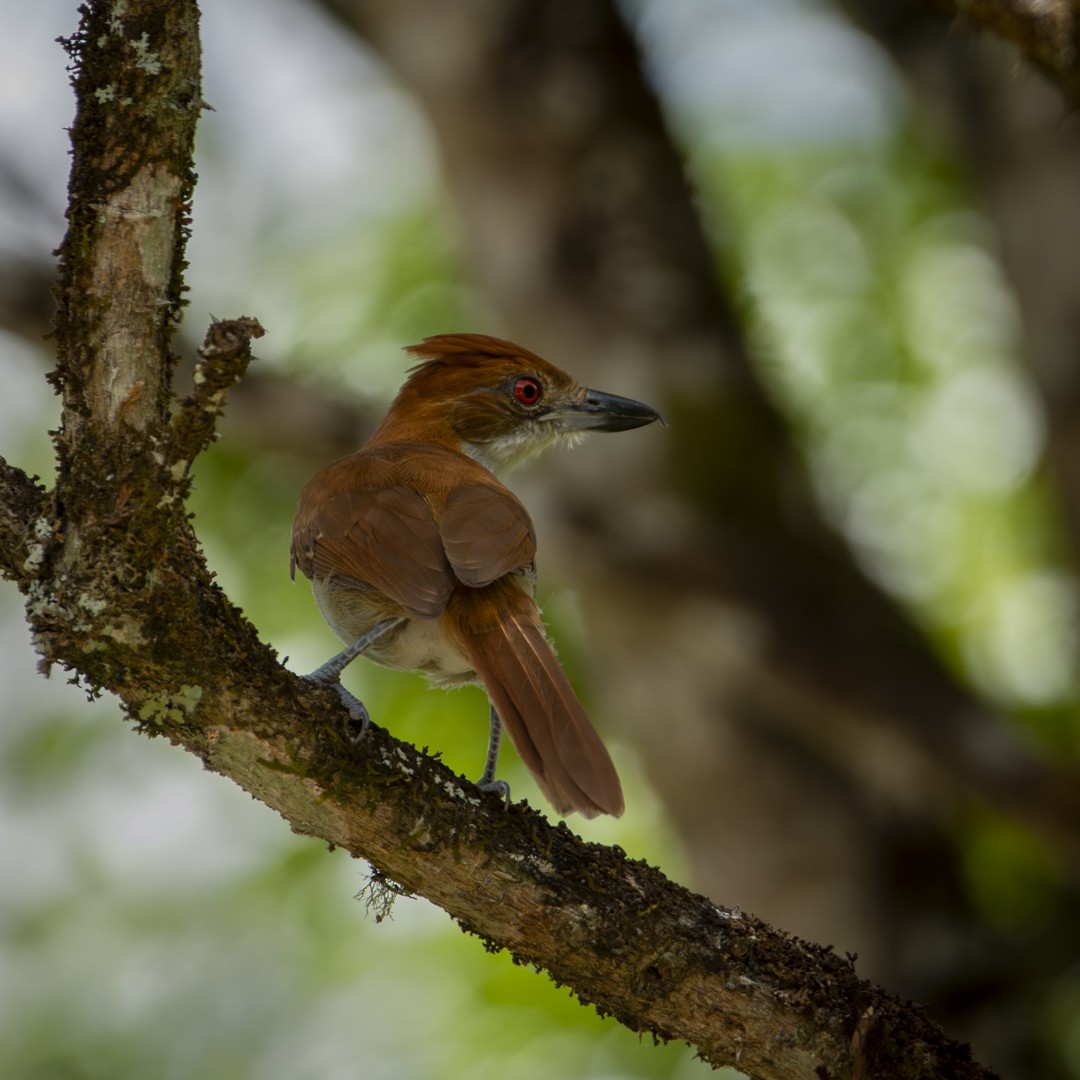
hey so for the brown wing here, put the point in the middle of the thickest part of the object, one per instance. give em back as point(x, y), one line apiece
point(486, 533)
point(382, 537)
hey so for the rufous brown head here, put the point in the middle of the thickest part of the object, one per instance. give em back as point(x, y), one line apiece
point(501, 403)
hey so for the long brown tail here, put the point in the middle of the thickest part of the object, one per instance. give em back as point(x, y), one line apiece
point(543, 717)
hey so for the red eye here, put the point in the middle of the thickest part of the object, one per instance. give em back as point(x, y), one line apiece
point(527, 391)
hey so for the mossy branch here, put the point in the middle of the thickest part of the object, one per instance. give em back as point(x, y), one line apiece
point(223, 359)
point(118, 592)
point(22, 501)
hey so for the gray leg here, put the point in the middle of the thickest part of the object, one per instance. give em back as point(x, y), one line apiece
point(330, 673)
point(487, 782)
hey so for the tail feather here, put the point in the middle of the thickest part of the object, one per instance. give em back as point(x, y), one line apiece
point(545, 721)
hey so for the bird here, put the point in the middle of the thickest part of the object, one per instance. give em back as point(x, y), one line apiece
point(421, 558)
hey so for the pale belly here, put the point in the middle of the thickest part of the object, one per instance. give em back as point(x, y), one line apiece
point(417, 645)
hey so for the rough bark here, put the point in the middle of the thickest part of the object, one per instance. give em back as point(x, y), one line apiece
point(118, 593)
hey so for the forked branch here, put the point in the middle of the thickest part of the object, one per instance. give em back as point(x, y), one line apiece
point(119, 593)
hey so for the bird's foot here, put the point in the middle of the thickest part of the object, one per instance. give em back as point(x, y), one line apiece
point(487, 782)
point(359, 720)
point(330, 675)
point(500, 787)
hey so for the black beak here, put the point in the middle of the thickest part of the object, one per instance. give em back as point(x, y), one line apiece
point(606, 412)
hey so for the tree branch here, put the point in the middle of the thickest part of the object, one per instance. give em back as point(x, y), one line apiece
point(119, 593)
point(622, 936)
point(22, 501)
point(223, 360)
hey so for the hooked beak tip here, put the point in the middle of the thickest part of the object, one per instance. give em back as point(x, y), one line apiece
point(600, 411)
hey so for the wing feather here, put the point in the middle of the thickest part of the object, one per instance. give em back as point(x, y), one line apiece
point(385, 538)
point(486, 533)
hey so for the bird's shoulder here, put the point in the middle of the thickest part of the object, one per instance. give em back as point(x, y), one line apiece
point(412, 510)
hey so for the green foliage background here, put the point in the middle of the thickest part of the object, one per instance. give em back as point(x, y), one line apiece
point(155, 922)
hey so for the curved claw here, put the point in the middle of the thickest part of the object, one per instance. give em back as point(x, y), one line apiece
point(330, 675)
point(500, 787)
point(357, 710)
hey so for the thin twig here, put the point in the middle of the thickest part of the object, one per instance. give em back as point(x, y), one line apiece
point(223, 359)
